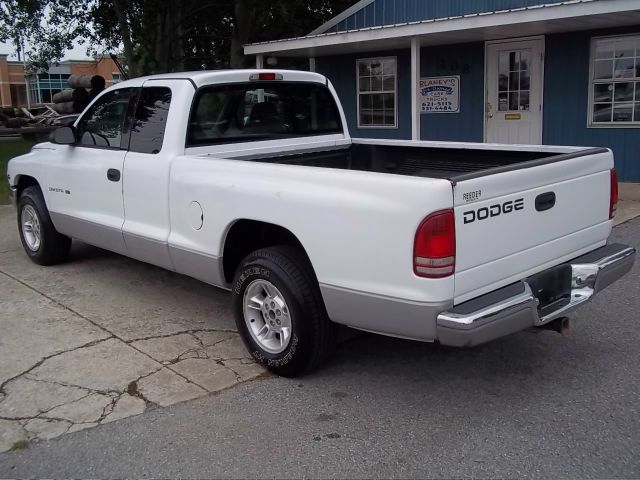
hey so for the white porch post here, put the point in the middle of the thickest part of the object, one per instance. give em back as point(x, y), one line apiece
point(312, 64)
point(260, 61)
point(415, 80)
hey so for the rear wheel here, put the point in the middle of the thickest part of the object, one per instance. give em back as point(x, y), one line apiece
point(40, 240)
point(279, 311)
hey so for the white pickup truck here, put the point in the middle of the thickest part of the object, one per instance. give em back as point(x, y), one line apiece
point(249, 180)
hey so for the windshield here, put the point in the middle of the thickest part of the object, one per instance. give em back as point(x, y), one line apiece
point(261, 111)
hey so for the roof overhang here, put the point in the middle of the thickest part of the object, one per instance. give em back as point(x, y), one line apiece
point(539, 20)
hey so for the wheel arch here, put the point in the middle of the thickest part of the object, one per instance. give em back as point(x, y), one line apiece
point(243, 236)
point(23, 181)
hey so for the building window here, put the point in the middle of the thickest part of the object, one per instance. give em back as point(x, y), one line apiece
point(614, 97)
point(377, 92)
point(116, 78)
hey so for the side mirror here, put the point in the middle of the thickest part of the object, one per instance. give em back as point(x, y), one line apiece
point(64, 135)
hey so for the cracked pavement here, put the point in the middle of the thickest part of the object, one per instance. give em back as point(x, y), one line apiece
point(103, 338)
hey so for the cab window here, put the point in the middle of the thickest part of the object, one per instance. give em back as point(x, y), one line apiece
point(147, 130)
point(262, 111)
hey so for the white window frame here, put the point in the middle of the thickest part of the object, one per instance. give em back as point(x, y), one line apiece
point(592, 82)
point(395, 91)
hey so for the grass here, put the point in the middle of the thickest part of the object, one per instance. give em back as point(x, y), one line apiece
point(9, 148)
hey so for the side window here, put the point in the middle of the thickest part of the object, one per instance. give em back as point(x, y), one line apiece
point(147, 131)
point(102, 125)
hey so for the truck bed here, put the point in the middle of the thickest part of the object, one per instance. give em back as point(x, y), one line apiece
point(454, 164)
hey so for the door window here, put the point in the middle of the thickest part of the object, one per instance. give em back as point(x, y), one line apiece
point(147, 131)
point(514, 72)
point(102, 125)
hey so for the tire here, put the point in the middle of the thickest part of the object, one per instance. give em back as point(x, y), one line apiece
point(312, 336)
point(45, 246)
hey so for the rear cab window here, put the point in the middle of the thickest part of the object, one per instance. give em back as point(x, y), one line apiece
point(255, 111)
point(150, 120)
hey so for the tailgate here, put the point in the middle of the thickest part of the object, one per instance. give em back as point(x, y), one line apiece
point(512, 224)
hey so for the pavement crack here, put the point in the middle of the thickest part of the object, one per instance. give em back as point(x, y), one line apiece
point(44, 359)
point(44, 412)
point(65, 384)
point(112, 335)
point(182, 332)
point(37, 417)
point(134, 391)
point(238, 376)
point(108, 409)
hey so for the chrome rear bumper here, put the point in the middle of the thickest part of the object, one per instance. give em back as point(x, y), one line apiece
point(517, 307)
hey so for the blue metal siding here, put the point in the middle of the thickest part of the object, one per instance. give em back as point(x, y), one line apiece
point(389, 12)
point(341, 71)
point(566, 99)
point(466, 60)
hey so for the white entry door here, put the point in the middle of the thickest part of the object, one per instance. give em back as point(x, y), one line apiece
point(513, 109)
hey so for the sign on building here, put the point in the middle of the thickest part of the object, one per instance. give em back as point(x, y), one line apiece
point(439, 94)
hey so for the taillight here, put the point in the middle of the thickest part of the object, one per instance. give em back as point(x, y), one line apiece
point(434, 248)
point(613, 197)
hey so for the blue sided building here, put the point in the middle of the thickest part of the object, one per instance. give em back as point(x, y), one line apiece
point(508, 71)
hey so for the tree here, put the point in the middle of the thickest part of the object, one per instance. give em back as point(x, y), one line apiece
point(160, 35)
point(49, 27)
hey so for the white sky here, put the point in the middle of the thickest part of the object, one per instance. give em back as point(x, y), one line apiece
point(79, 52)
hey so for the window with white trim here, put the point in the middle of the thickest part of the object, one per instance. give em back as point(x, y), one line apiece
point(615, 81)
point(377, 92)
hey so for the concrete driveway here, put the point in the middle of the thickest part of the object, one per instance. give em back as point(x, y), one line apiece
point(102, 338)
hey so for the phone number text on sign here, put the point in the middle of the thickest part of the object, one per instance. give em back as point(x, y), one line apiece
point(439, 95)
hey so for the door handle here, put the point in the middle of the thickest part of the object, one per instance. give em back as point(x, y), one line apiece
point(113, 175)
point(545, 201)
point(489, 110)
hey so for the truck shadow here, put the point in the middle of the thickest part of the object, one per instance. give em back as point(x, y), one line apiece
point(508, 373)
point(515, 372)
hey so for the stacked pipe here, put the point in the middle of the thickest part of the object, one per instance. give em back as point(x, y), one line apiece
point(74, 99)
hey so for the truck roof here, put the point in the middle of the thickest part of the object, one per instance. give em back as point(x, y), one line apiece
point(208, 77)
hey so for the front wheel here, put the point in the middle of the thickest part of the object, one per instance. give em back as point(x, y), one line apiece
point(279, 311)
point(40, 240)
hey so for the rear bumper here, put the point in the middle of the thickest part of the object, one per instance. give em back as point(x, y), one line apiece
point(515, 307)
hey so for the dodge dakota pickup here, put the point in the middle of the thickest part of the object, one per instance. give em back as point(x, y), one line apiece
point(249, 180)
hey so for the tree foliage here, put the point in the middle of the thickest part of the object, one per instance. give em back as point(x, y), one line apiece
point(159, 35)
